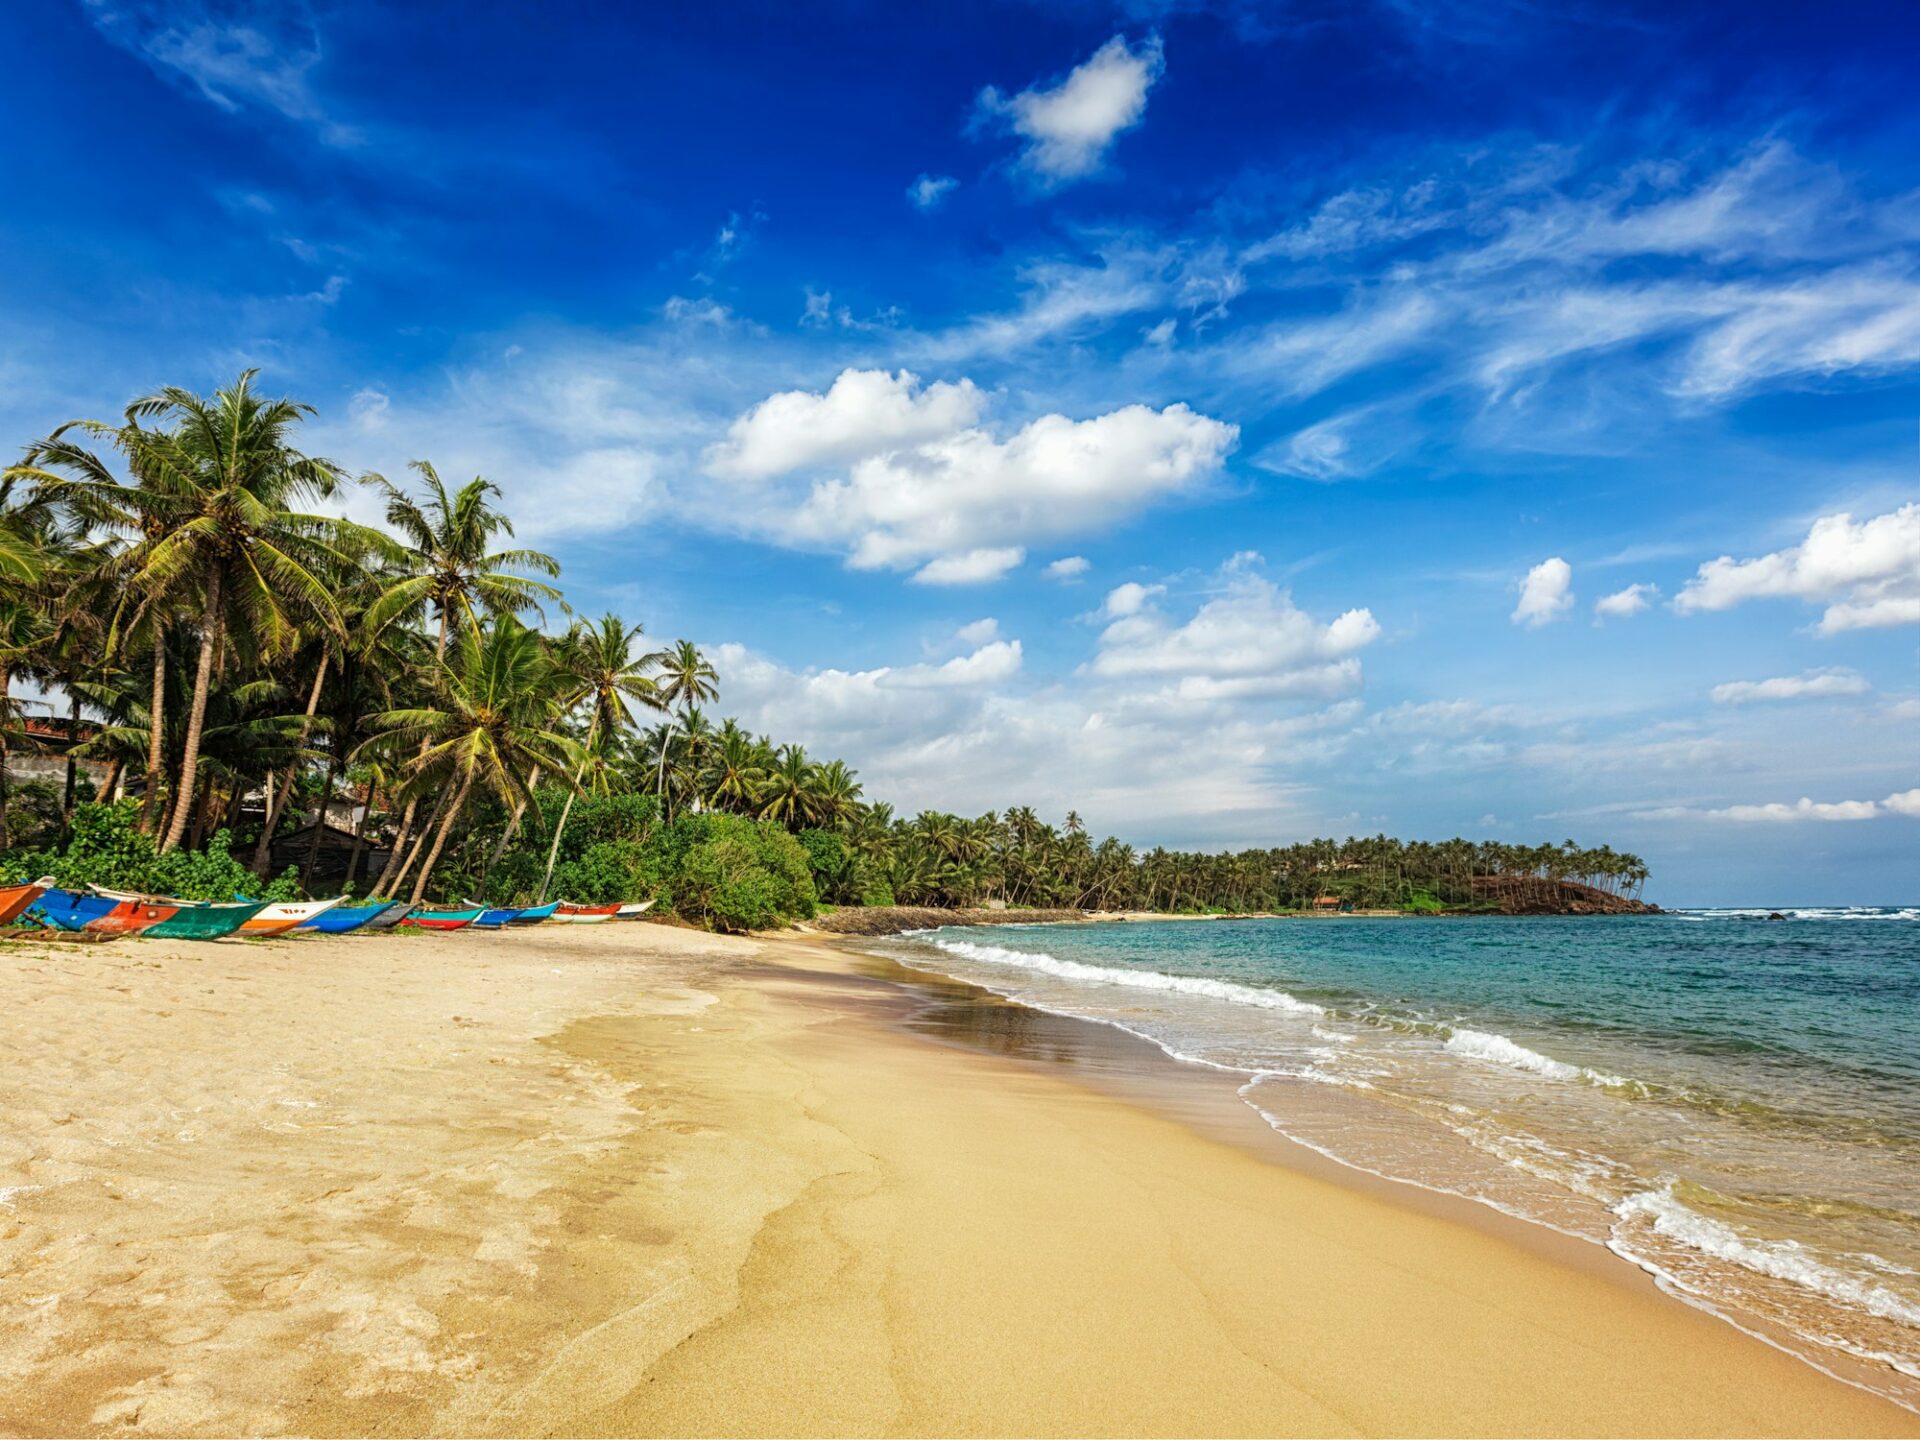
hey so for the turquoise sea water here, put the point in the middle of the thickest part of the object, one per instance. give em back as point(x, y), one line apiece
point(1730, 1102)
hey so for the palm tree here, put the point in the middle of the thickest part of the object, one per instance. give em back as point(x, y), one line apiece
point(603, 673)
point(736, 769)
point(449, 565)
point(489, 724)
point(212, 510)
point(685, 680)
point(789, 794)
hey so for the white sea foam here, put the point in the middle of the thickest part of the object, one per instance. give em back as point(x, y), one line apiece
point(1132, 979)
point(1485, 1045)
point(1785, 1260)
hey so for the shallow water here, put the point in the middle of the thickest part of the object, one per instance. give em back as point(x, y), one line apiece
point(1732, 1103)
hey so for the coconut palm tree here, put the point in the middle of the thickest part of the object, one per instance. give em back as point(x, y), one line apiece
point(213, 522)
point(685, 680)
point(490, 724)
point(448, 565)
point(789, 793)
point(602, 672)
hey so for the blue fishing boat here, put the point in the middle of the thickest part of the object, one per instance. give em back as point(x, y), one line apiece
point(497, 919)
point(344, 918)
point(534, 914)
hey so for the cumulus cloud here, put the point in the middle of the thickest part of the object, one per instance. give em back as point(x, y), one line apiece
point(1907, 802)
point(972, 494)
point(979, 632)
point(1068, 567)
point(1249, 641)
point(928, 191)
point(1624, 603)
point(1868, 573)
point(1546, 594)
point(862, 413)
point(970, 567)
point(1812, 685)
point(1130, 598)
point(1069, 127)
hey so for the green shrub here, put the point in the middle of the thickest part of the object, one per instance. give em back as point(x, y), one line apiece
point(105, 847)
point(738, 874)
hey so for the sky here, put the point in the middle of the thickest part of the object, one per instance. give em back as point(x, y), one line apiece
point(1237, 422)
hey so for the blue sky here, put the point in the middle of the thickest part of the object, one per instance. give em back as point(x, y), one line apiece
point(1240, 422)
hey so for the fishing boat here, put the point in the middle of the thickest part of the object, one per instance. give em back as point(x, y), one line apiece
point(633, 911)
point(99, 914)
point(342, 919)
point(534, 914)
point(444, 919)
point(278, 919)
point(497, 918)
point(16, 898)
point(189, 919)
point(584, 914)
point(395, 912)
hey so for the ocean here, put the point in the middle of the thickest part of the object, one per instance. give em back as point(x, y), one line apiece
point(1730, 1102)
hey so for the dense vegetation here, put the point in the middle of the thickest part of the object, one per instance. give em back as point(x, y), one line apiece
point(249, 657)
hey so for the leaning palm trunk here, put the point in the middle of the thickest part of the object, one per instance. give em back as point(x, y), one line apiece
point(511, 829)
point(400, 839)
point(440, 840)
point(73, 763)
point(553, 850)
point(277, 795)
point(156, 731)
point(420, 840)
point(196, 716)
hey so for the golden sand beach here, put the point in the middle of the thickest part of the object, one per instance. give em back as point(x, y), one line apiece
point(640, 1180)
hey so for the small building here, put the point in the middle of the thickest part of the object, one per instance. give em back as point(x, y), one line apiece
point(336, 852)
point(1326, 902)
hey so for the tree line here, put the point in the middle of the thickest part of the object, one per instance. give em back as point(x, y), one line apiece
point(248, 658)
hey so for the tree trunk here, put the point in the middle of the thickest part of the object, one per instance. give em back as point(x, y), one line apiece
point(400, 839)
point(440, 840)
point(359, 845)
point(389, 875)
point(156, 730)
point(73, 764)
point(320, 822)
point(420, 841)
point(512, 826)
point(277, 796)
point(553, 850)
point(196, 715)
point(112, 781)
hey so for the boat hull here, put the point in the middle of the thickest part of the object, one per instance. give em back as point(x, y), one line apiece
point(389, 917)
point(100, 914)
point(344, 919)
point(496, 919)
point(14, 899)
point(279, 919)
point(205, 922)
point(585, 914)
point(535, 914)
point(633, 912)
point(442, 919)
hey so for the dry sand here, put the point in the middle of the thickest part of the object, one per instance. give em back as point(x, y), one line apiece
point(636, 1180)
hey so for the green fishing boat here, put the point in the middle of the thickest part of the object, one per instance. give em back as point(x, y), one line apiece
point(204, 922)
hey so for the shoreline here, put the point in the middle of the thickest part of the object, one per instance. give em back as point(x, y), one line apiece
point(590, 1181)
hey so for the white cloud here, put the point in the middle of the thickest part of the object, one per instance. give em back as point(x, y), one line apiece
point(1907, 802)
point(928, 191)
point(1069, 127)
point(1068, 567)
point(969, 493)
point(1546, 594)
point(368, 408)
point(1777, 812)
point(1812, 685)
point(264, 59)
point(1623, 603)
point(1869, 573)
point(1130, 598)
point(1249, 641)
point(863, 413)
point(979, 632)
point(970, 567)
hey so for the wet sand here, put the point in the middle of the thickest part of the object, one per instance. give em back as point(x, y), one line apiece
point(631, 1179)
